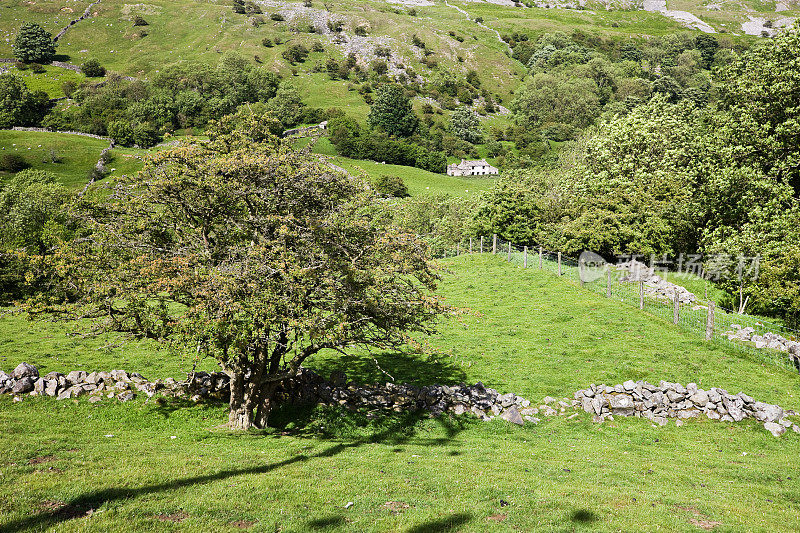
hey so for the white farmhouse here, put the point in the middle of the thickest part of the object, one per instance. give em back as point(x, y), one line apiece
point(471, 168)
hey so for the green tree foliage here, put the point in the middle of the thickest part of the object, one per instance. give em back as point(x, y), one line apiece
point(93, 69)
point(180, 96)
point(391, 111)
point(287, 106)
point(19, 106)
point(34, 44)
point(32, 214)
point(761, 99)
point(548, 98)
point(34, 221)
point(442, 221)
point(270, 257)
point(391, 186)
point(466, 125)
point(351, 141)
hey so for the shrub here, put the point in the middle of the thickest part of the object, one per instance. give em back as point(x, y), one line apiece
point(139, 21)
point(13, 163)
point(238, 7)
point(317, 47)
point(93, 69)
point(251, 8)
point(361, 31)
point(297, 53)
point(308, 3)
point(391, 186)
point(335, 26)
point(36, 68)
point(266, 42)
point(379, 67)
point(277, 17)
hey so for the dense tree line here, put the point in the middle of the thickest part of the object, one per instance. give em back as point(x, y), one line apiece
point(681, 177)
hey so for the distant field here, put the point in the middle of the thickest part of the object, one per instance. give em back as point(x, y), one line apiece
point(77, 155)
point(418, 181)
point(49, 81)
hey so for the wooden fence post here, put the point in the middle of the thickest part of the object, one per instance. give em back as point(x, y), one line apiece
point(580, 271)
point(608, 281)
point(481, 243)
point(540, 258)
point(470, 245)
point(641, 295)
point(710, 322)
point(509, 251)
point(525, 258)
point(494, 243)
point(676, 309)
point(559, 263)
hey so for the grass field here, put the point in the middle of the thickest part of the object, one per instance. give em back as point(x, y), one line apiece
point(142, 466)
point(418, 181)
point(49, 81)
point(76, 155)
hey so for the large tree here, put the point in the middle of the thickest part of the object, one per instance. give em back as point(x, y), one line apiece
point(248, 250)
point(19, 106)
point(34, 44)
point(391, 111)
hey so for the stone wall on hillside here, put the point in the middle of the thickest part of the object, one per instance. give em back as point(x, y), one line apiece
point(640, 399)
point(672, 400)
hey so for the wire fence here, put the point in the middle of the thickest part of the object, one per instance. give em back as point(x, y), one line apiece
point(700, 317)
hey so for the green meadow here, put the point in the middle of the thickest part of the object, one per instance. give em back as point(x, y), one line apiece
point(153, 465)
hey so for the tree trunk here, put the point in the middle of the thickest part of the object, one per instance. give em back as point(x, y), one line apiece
point(265, 404)
point(241, 410)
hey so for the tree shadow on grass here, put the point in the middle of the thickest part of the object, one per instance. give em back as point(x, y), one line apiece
point(404, 366)
point(394, 429)
point(448, 523)
point(583, 516)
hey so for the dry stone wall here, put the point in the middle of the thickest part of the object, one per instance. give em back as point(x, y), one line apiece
point(640, 399)
point(672, 400)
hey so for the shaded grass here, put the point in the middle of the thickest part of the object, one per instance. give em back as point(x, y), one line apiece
point(529, 333)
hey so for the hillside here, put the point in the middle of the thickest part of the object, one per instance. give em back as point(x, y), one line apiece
point(158, 464)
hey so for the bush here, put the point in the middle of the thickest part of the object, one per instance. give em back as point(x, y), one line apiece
point(93, 69)
point(266, 42)
point(297, 53)
point(277, 17)
point(139, 21)
point(317, 47)
point(36, 68)
point(391, 187)
point(34, 44)
point(13, 163)
point(361, 31)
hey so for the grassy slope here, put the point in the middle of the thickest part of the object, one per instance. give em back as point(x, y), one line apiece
point(530, 334)
point(418, 181)
point(78, 155)
point(51, 80)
